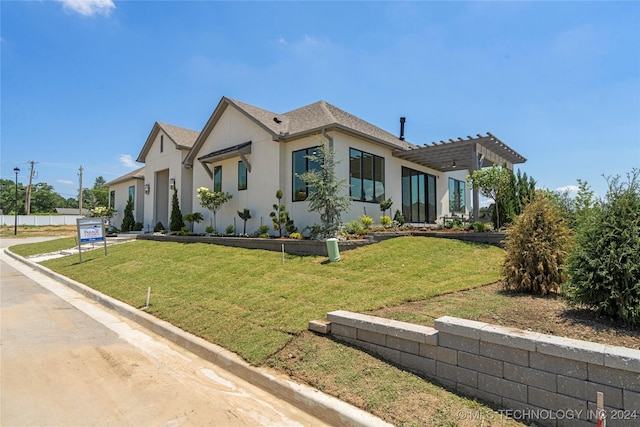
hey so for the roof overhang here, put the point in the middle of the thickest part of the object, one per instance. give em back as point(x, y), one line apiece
point(239, 150)
point(226, 153)
point(469, 154)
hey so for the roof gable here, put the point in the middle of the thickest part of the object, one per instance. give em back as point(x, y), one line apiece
point(182, 138)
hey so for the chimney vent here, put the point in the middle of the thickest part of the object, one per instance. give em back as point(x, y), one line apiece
point(402, 120)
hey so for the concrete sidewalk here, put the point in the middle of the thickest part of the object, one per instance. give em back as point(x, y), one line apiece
point(324, 407)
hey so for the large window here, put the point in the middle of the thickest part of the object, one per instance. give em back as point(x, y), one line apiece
point(418, 196)
point(217, 179)
point(457, 191)
point(366, 176)
point(112, 199)
point(302, 164)
point(242, 176)
point(161, 143)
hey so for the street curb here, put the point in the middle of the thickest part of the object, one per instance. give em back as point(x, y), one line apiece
point(322, 406)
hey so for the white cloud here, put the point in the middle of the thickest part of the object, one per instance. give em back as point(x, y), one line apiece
point(568, 189)
point(127, 161)
point(89, 7)
point(65, 181)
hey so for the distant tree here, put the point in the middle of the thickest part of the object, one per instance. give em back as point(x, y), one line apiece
point(8, 197)
point(176, 223)
point(128, 221)
point(44, 199)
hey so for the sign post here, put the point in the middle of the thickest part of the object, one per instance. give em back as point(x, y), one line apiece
point(90, 230)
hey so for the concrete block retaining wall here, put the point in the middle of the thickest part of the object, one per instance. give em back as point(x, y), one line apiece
point(542, 378)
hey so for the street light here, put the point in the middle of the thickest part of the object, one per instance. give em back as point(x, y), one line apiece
point(15, 221)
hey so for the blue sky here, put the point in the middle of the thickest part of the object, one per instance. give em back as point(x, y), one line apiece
point(83, 81)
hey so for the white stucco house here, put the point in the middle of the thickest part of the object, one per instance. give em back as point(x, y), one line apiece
point(251, 152)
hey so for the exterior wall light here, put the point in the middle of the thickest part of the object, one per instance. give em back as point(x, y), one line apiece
point(147, 189)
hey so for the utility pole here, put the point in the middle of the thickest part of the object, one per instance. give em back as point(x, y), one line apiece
point(31, 174)
point(80, 197)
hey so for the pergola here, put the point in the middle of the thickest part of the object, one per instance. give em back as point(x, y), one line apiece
point(470, 154)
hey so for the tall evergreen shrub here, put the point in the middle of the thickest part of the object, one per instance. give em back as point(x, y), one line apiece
point(176, 223)
point(604, 268)
point(536, 249)
point(128, 221)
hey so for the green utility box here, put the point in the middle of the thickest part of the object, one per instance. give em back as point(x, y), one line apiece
point(332, 250)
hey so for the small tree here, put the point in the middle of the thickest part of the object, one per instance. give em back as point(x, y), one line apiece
point(604, 268)
point(128, 221)
point(191, 218)
point(329, 196)
point(280, 217)
point(245, 215)
point(176, 223)
point(386, 205)
point(492, 183)
point(536, 249)
point(213, 200)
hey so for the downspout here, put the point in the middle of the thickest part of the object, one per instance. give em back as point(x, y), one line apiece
point(326, 135)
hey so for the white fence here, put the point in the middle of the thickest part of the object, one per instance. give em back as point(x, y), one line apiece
point(39, 220)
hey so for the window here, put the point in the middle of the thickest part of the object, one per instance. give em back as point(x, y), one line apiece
point(418, 196)
point(366, 176)
point(161, 143)
point(242, 176)
point(132, 195)
point(217, 179)
point(457, 191)
point(302, 164)
point(112, 199)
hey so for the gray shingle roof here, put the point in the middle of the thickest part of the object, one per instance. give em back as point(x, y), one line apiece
point(183, 137)
point(315, 117)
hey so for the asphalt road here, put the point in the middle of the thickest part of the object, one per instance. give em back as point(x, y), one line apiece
point(65, 361)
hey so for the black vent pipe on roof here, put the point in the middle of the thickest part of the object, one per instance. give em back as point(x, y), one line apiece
point(402, 120)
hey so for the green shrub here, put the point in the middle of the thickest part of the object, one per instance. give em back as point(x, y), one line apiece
point(159, 228)
point(398, 217)
point(209, 229)
point(385, 220)
point(366, 221)
point(479, 226)
point(353, 228)
point(230, 230)
point(536, 249)
point(296, 236)
point(138, 226)
point(604, 268)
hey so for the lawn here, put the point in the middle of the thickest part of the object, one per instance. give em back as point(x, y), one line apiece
point(252, 303)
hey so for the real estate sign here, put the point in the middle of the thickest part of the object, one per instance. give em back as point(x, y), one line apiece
point(90, 230)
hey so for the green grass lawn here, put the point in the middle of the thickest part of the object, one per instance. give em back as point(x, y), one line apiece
point(249, 302)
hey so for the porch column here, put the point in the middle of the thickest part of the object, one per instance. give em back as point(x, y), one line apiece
point(474, 166)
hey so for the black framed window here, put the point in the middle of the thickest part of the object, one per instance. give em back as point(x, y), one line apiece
point(217, 179)
point(161, 143)
point(242, 176)
point(112, 199)
point(457, 192)
point(366, 176)
point(302, 164)
point(418, 196)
